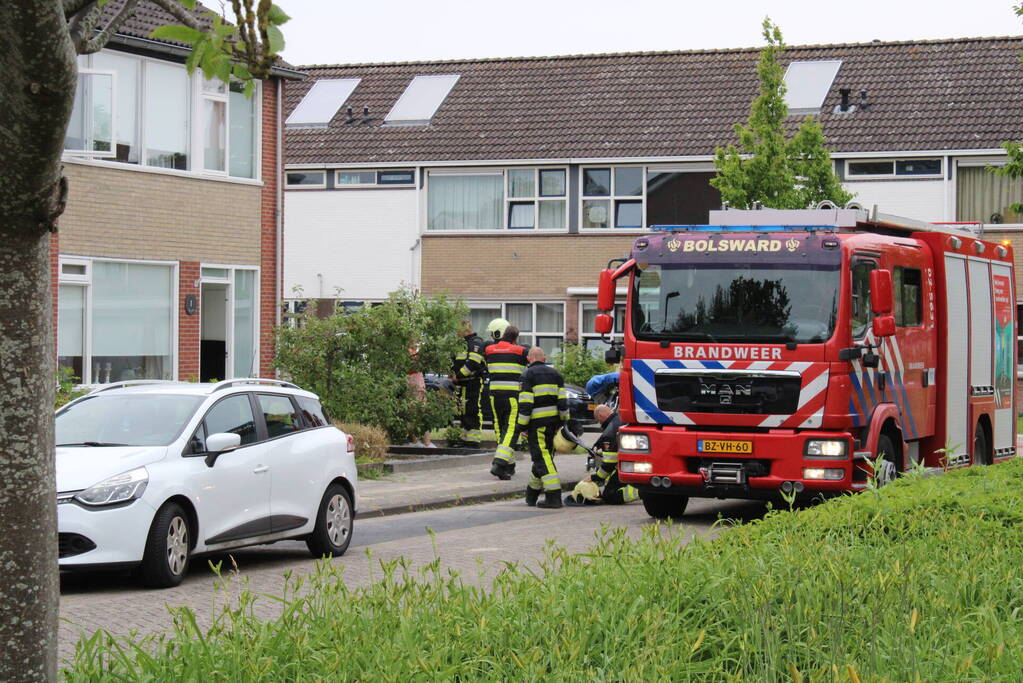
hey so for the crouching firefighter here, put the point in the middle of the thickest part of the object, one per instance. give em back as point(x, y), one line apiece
point(468, 370)
point(506, 361)
point(543, 407)
point(605, 479)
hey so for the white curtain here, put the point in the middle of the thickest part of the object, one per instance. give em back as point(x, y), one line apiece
point(980, 194)
point(241, 110)
point(70, 320)
point(245, 364)
point(465, 202)
point(132, 309)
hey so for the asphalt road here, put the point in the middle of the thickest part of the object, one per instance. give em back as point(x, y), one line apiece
point(468, 539)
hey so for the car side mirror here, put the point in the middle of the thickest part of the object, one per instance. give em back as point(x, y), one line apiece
point(220, 443)
point(884, 326)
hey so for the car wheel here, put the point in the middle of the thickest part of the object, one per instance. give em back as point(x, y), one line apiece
point(168, 545)
point(661, 506)
point(333, 530)
point(981, 451)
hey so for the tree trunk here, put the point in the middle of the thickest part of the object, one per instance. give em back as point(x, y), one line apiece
point(38, 64)
point(28, 507)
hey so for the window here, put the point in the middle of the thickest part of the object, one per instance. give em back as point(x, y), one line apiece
point(306, 179)
point(613, 197)
point(808, 83)
point(292, 312)
point(150, 112)
point(882, 168)
point(116, 321)
point(245, 301)
point(421, 99)
point(312, 411)
point(861, 311)
point(587, 316)
point(531, 198)
point(371, 178)
point(907, 285)
point(985, 197)
point(321, 103)
point(540, 324)
point(279, 414)
point(233, 415)
point(536, 198)
point(680, 198)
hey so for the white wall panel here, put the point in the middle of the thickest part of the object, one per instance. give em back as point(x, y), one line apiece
point(958, 355)
point(923, 200)
point(982, 332)
point(360, 241)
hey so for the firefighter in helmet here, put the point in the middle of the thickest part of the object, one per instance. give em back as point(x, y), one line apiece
point(506, 361)
point(605, 479)
point(543, 407)
point(468, 371)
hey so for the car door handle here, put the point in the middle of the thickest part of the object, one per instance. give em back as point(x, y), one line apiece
point(261, 469)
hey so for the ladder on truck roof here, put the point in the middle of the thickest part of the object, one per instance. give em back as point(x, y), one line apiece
point(764, 220)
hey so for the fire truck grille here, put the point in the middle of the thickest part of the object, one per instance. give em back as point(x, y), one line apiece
point(711, 393)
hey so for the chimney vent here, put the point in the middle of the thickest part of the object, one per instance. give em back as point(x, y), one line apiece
point(351, 116)
point(864, 105)
point(845, 92)
point(365, 113)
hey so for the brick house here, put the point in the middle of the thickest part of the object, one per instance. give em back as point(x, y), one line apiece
point(166, 262)
point(510, 182)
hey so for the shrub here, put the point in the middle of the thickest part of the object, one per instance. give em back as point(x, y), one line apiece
point(66, 391)
point(359, 362)
point(371, 442)
point(577, 364)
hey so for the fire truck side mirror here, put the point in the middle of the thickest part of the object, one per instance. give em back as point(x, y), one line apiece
point(603, 323)
point(606, 291)
point(884, 326)
point(881, 291)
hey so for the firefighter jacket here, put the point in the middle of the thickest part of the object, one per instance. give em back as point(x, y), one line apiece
point(505, 364)
point(469, 364)
point(542, 398)
point(607, 443)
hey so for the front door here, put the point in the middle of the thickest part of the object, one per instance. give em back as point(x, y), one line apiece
point(213, 332)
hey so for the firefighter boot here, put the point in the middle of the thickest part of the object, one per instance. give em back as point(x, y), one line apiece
point(500, 470)
point(532, 495)
point(551, 499)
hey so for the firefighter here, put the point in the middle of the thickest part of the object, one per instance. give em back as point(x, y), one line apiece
point(613, 490)
point(467, 372)
point(506, 361)
point(543, 407)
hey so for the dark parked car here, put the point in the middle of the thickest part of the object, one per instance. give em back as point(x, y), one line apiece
point(580, 406)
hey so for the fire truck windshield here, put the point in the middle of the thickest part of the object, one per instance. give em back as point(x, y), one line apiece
point(736, 303)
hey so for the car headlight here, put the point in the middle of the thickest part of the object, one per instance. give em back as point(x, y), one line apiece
point(639, 443)
point(825, 448)
point(120, 488)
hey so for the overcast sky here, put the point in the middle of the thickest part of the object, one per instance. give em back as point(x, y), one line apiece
point(345, 32)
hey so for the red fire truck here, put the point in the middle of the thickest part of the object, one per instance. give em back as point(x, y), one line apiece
point(798, 351)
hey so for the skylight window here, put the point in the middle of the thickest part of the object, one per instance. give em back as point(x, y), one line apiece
point(808, 83)
point(420, 101)
point(322, 101)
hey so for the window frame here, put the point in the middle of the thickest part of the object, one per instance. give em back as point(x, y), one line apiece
point(857, 260)
point(188, 452)
point(900, 311)
point(87, 119)
point(338, 185)
point(533, 333)
point(535, 199)
point(616, 333)
point(261, 416)
point(288, 185)
point(87, 305)
point(613, 198)
point(506, 200)
point(200, 96)
point(894, 174)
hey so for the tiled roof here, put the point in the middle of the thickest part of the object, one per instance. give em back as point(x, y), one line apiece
point(929, 95)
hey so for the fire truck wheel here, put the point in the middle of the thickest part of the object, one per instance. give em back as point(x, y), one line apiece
point(660, 506)
point(889, 464)
point(981, 451)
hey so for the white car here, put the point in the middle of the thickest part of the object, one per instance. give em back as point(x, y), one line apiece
point(152, 473)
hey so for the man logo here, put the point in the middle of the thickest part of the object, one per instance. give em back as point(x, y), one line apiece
point(726, 392)
point(792, 244)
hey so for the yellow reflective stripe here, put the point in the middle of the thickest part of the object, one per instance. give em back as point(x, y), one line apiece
point(553, 388)
point(543, 392)
point(476, 357)
point(611, 458)
point(562, 393)
point(503, 386)
point(505, 439)
point(506, 367)
point(563, 414)
point(550, 480)
point(544, 412)
point(461, 355)
point(603, 474)
point(629, 494)
point(464, 370)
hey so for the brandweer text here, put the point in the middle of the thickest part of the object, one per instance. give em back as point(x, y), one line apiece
point(729, 352)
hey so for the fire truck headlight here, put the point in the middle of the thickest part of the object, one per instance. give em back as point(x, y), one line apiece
point(635, 467)
point(829, 473)
point(821, 448)
point(635, 443)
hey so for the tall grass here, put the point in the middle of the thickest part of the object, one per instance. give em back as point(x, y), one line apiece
point(918, 581)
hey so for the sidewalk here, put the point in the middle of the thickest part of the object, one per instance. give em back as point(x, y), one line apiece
point(455, 483)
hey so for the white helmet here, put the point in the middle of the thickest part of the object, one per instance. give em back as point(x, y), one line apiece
point(497, 327)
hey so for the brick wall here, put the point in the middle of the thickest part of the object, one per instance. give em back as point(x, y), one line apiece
point(188, 325)
point(268, 287)
point(123, 213)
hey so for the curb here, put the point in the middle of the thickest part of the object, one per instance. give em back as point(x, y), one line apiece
point(456, 501)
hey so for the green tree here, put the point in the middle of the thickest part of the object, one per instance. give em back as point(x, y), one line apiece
point(359, 362)
point(40, 40)
point(1014, 150)
point(766, 168)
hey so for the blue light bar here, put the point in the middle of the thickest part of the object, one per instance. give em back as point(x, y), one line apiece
point(743, 228)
